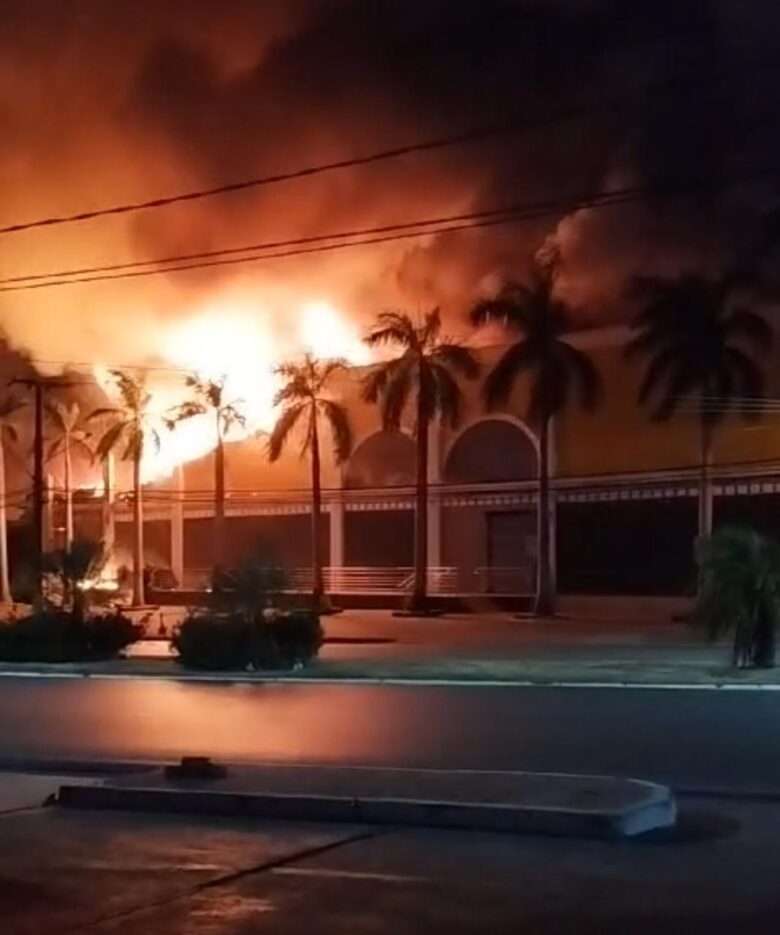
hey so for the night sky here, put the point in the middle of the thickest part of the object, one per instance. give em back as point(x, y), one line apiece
point(106, 102)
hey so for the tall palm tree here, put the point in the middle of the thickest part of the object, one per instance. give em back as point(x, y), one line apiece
point(700, 345)
point(556, 369)
point(71, 435)
point(421, 376)
point(130, 427)
point(305, 395)
point(8, 434)
point(210, 397)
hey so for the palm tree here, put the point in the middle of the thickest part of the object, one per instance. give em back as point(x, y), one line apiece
point(8, 408)
point(699, 345)
point(210, 397)
point(70, 435)
point(130, 427)
point(425, 371)
point(556, 369)
point(305, 395)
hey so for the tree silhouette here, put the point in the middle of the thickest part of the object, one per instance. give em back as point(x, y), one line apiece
point(209, 397)
point(71, 435)
point(699, 343)
point(304, 397)
point(557, 370)
point(130, 426)
point(421, 377)
point(8, 434)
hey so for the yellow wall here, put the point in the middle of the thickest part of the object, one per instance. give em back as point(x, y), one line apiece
point(618, 437)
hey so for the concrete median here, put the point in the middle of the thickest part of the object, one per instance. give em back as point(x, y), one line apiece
point(519, 802)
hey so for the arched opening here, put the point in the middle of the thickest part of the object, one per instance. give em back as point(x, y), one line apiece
point(385, 459)
point(491, 451)
point(493, 548)
point(380, 537)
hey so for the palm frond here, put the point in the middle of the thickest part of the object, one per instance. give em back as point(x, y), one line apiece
point(430, 330)
point(395, 395)
point(341, 430)
point(105, 412)
point(584, 374)
point(282, 429)
point(375, 381)
point(517, 359)
point(182, 412)
point(449, 397)
point(392, 328)
point(457, 357)
point(110, 440)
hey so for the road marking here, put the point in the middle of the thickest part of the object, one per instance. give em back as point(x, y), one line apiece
point(347, 875)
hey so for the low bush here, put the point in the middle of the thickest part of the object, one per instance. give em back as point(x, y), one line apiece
point(209, 640)
point(298, 635)
point(54, 635)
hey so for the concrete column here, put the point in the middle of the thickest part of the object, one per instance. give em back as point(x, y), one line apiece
point(109, 497)
point(336, 539)
point(434, 494)
point(553, 517)
point(177, 527)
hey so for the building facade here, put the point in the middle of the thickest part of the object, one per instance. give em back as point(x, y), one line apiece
point(624, 507)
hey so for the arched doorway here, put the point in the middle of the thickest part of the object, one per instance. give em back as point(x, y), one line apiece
point(384, 462)
point(493, 547)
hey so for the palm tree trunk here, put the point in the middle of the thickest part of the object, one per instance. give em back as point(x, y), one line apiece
point(705, 481)
point(419, 600)
point(138, 533)
point(219, 499)
point(317, 588)
point(5, 586)
point(68, 494)
point(545, 600)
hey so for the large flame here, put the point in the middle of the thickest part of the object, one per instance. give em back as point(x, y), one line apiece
point(235, 342)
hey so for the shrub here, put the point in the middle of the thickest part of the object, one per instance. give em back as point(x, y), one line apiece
point(208, 640)
point(212, 641)
point(54, 635)
point(110, 633)
point(248, 589)
point(298, 636)
point(739, 589)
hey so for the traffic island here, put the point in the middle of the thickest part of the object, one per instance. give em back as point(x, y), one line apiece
point(520, 802)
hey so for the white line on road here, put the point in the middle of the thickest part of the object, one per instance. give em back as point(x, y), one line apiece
point(239, 679)
point(347, 874)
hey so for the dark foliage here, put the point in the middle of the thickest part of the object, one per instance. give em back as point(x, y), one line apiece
point(54, 635)
point(208, 640)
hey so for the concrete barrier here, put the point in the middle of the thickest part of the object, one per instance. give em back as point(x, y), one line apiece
point(538, 803)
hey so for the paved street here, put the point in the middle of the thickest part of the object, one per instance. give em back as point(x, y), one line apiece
point(155, 875)
point(685, 738)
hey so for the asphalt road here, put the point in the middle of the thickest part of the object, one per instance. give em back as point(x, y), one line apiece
point(701, 739)
point(134, 874)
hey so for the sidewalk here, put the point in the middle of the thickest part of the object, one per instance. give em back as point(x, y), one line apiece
point(472, 649)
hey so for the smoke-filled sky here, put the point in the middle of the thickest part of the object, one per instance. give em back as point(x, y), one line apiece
point(106, 102)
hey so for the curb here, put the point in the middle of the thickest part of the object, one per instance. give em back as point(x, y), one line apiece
point(400, 681)
point(654, 808)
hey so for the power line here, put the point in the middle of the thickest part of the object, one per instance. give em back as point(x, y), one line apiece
point(494, 217)
point(673, 85)
point(266, 245)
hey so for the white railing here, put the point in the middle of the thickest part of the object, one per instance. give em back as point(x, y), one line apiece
point(350, 579)
point(506, 579)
